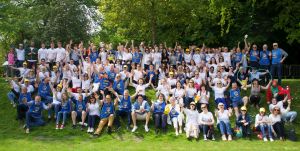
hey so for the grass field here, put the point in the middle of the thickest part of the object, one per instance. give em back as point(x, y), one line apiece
point(12, 136)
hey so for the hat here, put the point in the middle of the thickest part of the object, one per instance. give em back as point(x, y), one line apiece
point(26, 80)
point(198, 49)
point(243, 108)
point(24, 63)
point(125, 66)
point(59, 85)
point(171, 73)
point(203, 105)
point(187, 49)
point(262, 109)
point(221, 104)
point(55, 67)
point(193, 103)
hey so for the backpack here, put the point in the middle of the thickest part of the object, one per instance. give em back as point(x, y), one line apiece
point(291, 135)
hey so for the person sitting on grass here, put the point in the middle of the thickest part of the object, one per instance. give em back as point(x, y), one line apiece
point(79, 111)
point(191, 126)
point(64, 111)
point(22, 108)
point(175, 115)
point(160, 119)
point(34, 114)
point(124, 108)
point(206, 123)
point(262, 124)
point(13, 95)
point(255, 92)
point(140, 111)
point(287, 114)
point(244, 122)
point(93, 110)
point(236, 99)
point(106, 114)
point(141, 87)
point(223, 121)
point(276, 123)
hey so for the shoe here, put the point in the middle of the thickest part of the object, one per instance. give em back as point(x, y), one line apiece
point(57, 126)
point(109, 130)
point(213, 138)
point(27, 131)
point(229, 138)
point(95, 135)
point(176, 133)
point(265, 139)
point(62, 126)
point(224, 138)
point(146, 128)
point(88, 130)
point(92, 130)
point(205, 138)
point(271, 139)
point(134, 129)
point(74, 126)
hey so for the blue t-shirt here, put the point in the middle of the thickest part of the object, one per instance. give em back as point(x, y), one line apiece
point(253, 55)
point(173, 113)
point(264, 58)
point(93, 56)
point(276, 56)
point(24, 95)
point(159, 107)
point(238, 57)
point(44, 89)
point(66, 106)
point(104, 83)
point(36, 108)
point(119, 87)
point(80, 106)
point(111, 75)
point(106, 110)
point(235, 95)
point(136, 57)
point(137, 106)
point(125, 104)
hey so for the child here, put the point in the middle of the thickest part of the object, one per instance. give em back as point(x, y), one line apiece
point(64, 112)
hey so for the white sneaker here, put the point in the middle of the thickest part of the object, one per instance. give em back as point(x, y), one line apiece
point(146, 128)
point(271, 139)
point(85, 124)
point(92, 130)
point(134, 129)
point(229, 138)
point(213, 138)
point(88, 130)
point(265, 139)
point(57, 126)
point(176, 133)
point(205, 138)
point(224, 138)
point(27, 131)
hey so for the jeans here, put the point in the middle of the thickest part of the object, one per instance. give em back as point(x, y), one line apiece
point(160, 120)
point(64, 115)
point(274, 68)
point(205, 128)
point(21, 111)
point(263, 128)
point(12, 97)
point(92, 120)
point(225, 128)
point(289, 116)
point(33, 121)
point(56, 110)
point(122, 114)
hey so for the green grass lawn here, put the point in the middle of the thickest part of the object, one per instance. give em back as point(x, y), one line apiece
point(12, 136)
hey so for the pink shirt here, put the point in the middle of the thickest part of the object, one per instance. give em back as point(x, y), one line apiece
point(11, 58)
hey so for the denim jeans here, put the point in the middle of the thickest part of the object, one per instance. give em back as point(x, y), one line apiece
point(121, 114)
point(56, 109)
point(263, 128)
point(11, 97)
point(160, 120)
point(274, 68)
point(64, 114)
point(33, 121)
point(92, 120)
point(225, 128)
point(21, 111)
point(289, 116)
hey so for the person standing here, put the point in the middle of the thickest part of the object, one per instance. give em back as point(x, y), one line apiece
point(51, 55)
point(42, 52)
point(31, 55)
point(278, 56)
point(20, 55)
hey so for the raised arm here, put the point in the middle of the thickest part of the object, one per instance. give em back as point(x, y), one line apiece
point(267, 87)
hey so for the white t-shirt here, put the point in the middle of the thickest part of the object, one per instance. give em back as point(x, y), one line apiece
point(274, 119)
point(198, 80)
point(171, 81)
point(103, 56)
point(187, 57)
point(94, 109)
point(137, 75)
point(223, 116)
point(60, 54)
point(215, 81)
point(20, 54)
point(86, 84)
point(219, 92)
point(279, 104)
point(164, 89)
point(127, 56)
point(227, 57)
point(140, 88)
point(190, 92)
point(177, 92)
point(147, 58)
point(30, 88)
point(42, 53)
point(51, 54)
point(156, 57)
point(203, 95)
point(197, 58)
point(205, 117)
point(259, 118)
point(76, 82)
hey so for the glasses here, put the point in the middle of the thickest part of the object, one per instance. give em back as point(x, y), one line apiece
point(276, 109)
point(203, 107)
point(107, 98)
point(219, 83)
point(244, 110)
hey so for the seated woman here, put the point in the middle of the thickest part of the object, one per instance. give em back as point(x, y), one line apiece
point(287, 114)
point(277, 125)
point(158, 108)
point(140, 111)
point(206, 121)
point(106, 114)
point(223, 121)
point(175, 116)
point(262, 124)
point(93, 110)
point(79, 111)
point(178, 93)
point(255, 92)
point(244, 122)
point(64, 111)
point(191, 126)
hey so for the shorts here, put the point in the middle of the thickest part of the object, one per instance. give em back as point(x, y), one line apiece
point(141, 117)
point(237, 103)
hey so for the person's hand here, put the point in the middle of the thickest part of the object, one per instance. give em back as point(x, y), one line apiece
point(151, 76)
point(230, 110)
point(102, 92)
point(281, 61)
point(289, 101)
point(97, 96)
point(245, 124)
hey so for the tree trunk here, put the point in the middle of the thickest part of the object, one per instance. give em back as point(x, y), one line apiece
point(153, 22)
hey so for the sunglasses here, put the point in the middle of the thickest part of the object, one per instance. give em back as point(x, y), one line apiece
point(203, 107)
point(276, 109)
point(244, 110)
point(219, 83)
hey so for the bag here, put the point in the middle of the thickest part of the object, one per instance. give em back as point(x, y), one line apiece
point(209, 134)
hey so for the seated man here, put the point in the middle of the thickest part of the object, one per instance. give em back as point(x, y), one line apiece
point(140, 111)
point(79, 111)
point(34, 114)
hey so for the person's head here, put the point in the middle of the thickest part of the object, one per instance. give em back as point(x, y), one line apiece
point(204, 107)
point(59, 45)
point(254, 47)
point(52, 45)
point(187, 50)
point(32, 44)
point(193, 105)
point(20, 46)
point(126, 93)
point(274, 83)
point(108, 98)
point(178, 85)
point(191, 83)
point(197, 74)
point(24, 90)
point(171, 74)
point(265, 47)
point(26, 82)
point(37, 98)
point(221, 106)
point(64, 96)
point(139, 66)
point(92, 100)
point(140, 99)
point(203, 88)
point(141, 81)
point(234, 85)
point(43, 45)
point(276, 110)
point(172, 100)
point(274, 101)
point(80, 97)
point(243, 110)
point(24, 64)
point(79, 90)
point(47, 80)
point(262, 111)
point(275, 45)
point(219, 84)
point(255, 82)
point(118, 77)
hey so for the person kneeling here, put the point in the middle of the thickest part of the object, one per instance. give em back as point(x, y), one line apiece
point(140, 111)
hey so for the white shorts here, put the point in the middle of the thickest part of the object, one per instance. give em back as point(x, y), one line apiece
point(141, 117)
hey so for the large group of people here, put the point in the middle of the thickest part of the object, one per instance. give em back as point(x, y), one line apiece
point(91, 84)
